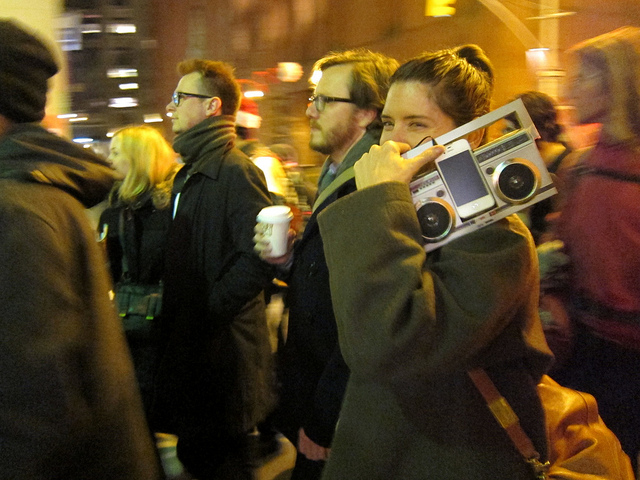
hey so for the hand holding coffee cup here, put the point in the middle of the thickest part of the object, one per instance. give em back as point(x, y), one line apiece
point(272, 231)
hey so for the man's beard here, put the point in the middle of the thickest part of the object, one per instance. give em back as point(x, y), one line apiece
point(334, 139)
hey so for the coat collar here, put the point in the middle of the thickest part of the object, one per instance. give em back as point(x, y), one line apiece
point(30, 153)
point(370, 137)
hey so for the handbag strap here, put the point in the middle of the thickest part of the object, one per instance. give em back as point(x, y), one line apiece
point(602, 172)
point(508, 420)
point(125, 264)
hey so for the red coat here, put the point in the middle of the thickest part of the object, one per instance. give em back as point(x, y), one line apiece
point(600, 226)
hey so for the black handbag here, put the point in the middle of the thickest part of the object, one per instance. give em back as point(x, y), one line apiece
point(139, 300)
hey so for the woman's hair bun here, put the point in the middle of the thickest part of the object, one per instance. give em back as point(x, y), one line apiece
point(475, 56)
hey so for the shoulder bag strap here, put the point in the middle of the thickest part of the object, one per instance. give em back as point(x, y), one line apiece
point(558, 160)
point(508, 420)
point(623, 177)
point(125, 263)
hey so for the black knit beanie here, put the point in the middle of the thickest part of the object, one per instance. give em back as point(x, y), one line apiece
point(26, 64)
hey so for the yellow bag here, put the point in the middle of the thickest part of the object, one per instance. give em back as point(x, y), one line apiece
point(581, 447)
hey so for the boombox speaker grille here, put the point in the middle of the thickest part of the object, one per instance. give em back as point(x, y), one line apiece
point(516, 180)
point(436, 219)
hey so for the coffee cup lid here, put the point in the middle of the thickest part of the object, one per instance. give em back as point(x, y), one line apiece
point(275, 213)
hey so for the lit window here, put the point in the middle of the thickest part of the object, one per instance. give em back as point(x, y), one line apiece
point(122, 72)
point(91, 28)
point(128, 86)
point(152, 118)
point(123, 102)
point(121, 28)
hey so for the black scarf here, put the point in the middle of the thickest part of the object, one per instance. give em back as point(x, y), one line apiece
point(211, 134)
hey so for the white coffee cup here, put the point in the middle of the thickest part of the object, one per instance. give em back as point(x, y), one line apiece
point(276, 219)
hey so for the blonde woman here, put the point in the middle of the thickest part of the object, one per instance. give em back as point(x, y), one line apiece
point(136, 222)
point(600, 228)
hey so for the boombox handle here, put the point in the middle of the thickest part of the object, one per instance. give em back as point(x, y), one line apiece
point(517, 107)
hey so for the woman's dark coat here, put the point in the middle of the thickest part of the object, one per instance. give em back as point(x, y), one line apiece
point(412, 324)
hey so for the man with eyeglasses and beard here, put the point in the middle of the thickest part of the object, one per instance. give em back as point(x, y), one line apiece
point(213, 383)
point(344, 118)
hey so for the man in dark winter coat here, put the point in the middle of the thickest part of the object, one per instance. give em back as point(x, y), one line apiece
point(214, 383)
point(344, 116)
point(69, 405)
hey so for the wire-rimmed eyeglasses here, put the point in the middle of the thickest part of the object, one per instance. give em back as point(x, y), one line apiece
point(320, 101)
point(178, 96)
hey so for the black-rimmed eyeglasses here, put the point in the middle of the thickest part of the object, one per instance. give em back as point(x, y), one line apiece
point(178, 96)
point(320, 101)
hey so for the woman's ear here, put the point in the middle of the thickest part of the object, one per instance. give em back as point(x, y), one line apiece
point(475, 138)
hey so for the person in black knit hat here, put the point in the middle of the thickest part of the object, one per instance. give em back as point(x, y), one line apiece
point(27, 64)
point(69, 406)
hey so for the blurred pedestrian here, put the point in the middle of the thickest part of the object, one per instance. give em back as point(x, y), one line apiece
point(69, 406)
point(215, 382)
point(601, 232)
point(305, 189)
point(556, 154)
point(247, 127)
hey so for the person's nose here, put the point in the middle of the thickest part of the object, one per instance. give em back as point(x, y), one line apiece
point(171, 107)
point(397, 135)
point(312, 111)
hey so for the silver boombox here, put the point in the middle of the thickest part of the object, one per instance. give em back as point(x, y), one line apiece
point(512, 169)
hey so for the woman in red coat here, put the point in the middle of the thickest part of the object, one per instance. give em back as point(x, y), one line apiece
point(600, 227)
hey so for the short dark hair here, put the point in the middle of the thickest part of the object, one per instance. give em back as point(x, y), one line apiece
point(461, 79)
point(370, 77)
point(218, 80)
point(543, 112)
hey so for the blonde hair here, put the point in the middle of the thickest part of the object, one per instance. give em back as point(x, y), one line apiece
point(152, 165)
point(617, 56)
